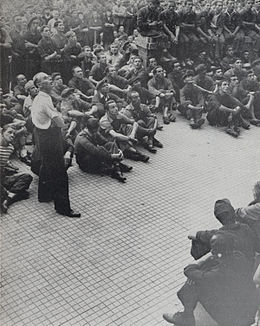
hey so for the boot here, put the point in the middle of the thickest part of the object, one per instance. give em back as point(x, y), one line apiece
point(125, 168)
point(118, 176)
point(232, 132)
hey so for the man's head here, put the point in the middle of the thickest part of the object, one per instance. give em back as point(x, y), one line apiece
point(59, 26)
point(230, 51)
point(152, 62)
point(251, 76)
point(33, 24)
point(121, 29)
point(171, 4)
point(189, 5)
point(135, 98)
point(102, 58)
point(231, 5)
point(238, 64)
point(31, 88)
point(77, 72)
point(55, 13)
point(257, 4)
point(57, 79)
point(224, 211)
point(158, 72)
point(111, 109)
point(92, 124)
point(43, 82)
point(177, 66)
point(103, 87)
point(18, 21)
point(188, 77)
point(74, 14)
point(111, 71)
point(249, 4)
point(218, 74)
point(46, 11)
point(233, 81)
point(114, 48)
point(45, 32)
point(71, 37)
point(219, 7)
point(8, 134)
point(21, 80)
point(137, 62)
point(87, 51)
point(153, 4)
point(224, 86)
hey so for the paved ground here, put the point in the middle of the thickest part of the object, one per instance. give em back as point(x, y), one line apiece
point(121, 263)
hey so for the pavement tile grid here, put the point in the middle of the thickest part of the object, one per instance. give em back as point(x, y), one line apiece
point(121, 263)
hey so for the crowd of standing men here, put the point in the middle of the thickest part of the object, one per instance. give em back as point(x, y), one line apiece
point(73, 84)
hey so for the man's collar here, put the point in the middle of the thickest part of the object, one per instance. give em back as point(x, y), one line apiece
point(41, 93)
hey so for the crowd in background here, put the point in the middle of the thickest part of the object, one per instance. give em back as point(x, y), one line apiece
point(83, 62)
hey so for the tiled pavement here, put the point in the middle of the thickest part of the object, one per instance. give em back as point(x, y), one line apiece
point(121, 263)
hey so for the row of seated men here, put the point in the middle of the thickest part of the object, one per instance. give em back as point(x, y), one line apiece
point(213, 26)
point(186, 28)
point(226, 282)
point(228, 94)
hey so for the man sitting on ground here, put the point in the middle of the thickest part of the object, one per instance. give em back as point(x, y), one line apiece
point(147, 121)
point(161, 87)
point(94, 154)
point(117, 126)
point(191, 101)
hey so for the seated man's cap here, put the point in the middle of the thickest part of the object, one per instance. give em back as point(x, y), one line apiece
point(223, 206)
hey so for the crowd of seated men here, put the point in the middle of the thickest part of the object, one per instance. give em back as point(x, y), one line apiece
point(207, 67)
point(110, 99)
point(227, 281)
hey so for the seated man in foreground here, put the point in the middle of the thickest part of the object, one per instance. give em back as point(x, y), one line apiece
point(223, 284)
point(94, 154)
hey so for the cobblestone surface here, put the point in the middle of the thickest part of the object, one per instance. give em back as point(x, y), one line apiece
point(121, 263)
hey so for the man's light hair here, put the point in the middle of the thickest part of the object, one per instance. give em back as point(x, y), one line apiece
point(38, 78)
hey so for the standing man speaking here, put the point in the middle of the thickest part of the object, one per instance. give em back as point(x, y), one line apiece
point(53, 178)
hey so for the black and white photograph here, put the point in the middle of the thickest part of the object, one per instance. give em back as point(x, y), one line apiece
point(130, 162)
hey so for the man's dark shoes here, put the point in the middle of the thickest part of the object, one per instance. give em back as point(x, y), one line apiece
point(125, 168)
point(245, 124)
point(70, 213)
point(232, 132)
point(150, 148)
point(255, 122)
point(118, 176)
point(157, 143)
point(19, 196)
point(180, 319)
point(166, 120)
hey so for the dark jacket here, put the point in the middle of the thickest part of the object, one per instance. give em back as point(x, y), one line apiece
point(225, 288)
point(89, 151)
